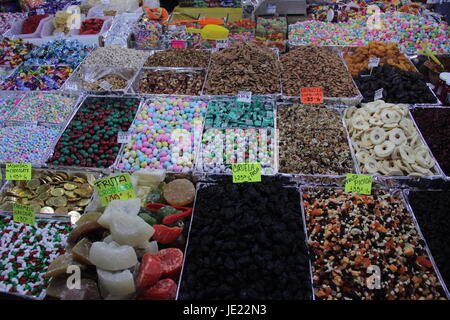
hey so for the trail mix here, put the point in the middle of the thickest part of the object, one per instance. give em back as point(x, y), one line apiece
point(352, 235)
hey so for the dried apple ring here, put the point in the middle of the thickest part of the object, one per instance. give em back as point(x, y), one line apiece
point(359, 123)
point(397, 136)
point(391, 168)
point(370, 165)
point(419, 169)
point(407, 154)
point(423, 158)
point(390, 116)
point(385, 149)
point(377, 136)
point(362, 155)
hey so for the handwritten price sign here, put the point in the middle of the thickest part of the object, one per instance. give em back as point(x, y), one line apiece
point(18, 171)
point(358, 183)
point(246, 172)
point(311, 95)
point(118, 187)
point(23, 214)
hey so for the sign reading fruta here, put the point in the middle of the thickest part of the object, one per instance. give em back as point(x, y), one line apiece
point(246, 172)
point(118, 187)
point(311, 95)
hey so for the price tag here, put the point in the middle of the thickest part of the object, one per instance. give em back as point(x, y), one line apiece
point(311, 95)
point(123, 137)
point(18, 171)
point(40, 11)
point(118, 187)
point(244, 96)
point(378, 95)
point(374, 62)
point(177, 43)
point(221, 43)
point(271, 8)
point(105, 85)
point(246, 172)
point(23, 214)
point(358, 183)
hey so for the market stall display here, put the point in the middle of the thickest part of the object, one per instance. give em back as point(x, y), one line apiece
point(44, 107)
point(115, 135)
point(179, 58)
point(430, 210)
point(397, 86)
point(240, 244)
point(165, 135)
point(27, 143)
point(37, 78)
point(351, 235)
point(316, 67)
point(433, 124)
point(86, 142)
point(387, 142)
point(312, 140)
point(50, 192)
point(168, 81)
point(26, 251)
point(243, 66)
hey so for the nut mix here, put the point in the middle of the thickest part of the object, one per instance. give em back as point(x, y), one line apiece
point(386, 141)
point(179, 57)
point(316, 67)
point(309, 146)
point(352, 236)
point(171, 82)
point(245, 67)
point(116, 82)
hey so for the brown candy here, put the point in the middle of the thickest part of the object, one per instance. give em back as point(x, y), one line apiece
point(316, 67)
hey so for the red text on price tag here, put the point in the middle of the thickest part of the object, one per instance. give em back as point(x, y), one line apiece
point(311, 95)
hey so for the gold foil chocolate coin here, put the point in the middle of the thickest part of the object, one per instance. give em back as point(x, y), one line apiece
point(70, 186)
point(57, 192)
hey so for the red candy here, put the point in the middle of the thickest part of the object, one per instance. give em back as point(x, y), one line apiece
point(171, 261)
point(165, 289)
point(91, 26)
point(150, 271)
point(31, 23)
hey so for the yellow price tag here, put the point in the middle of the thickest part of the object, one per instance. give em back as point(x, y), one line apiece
point(23, 214)
point(358, 183)
point(118, 187)
point(18, 171)
point(246, 172)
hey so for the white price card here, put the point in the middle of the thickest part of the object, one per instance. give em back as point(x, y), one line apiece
point(123, 137)
point(378, 95)
point(40, 11)
point(244, 96)
point(221, 43)
point(374, 62)
point(105, 85)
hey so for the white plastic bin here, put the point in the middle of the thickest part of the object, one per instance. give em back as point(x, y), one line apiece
point(16, 29)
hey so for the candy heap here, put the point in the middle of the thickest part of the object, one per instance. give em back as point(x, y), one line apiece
point(42, 78)
point(45, 107)
point(412, 30)
point(31, 23)
point(91, 26)
point(55, 52)
point(13, 52)
point(25, 253)
point(165, 135)
point(7, 18)
point(222, 147)
point(90, 140)
point(27, 144)
point(7, 105)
